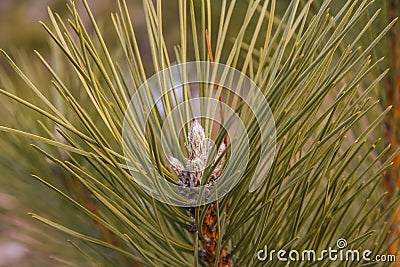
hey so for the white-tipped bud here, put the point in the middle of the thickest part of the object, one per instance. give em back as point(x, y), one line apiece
point(198, 148)
point(196, 137)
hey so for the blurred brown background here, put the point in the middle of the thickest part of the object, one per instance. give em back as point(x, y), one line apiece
point(20, 31)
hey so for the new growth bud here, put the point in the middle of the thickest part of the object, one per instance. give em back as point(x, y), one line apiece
point(198, 148)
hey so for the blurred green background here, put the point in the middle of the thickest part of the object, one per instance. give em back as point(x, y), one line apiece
point(20, 34)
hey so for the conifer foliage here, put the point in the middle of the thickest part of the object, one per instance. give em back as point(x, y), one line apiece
point(64, 125)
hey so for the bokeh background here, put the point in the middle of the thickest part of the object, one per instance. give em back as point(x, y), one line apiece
point(21, 33)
